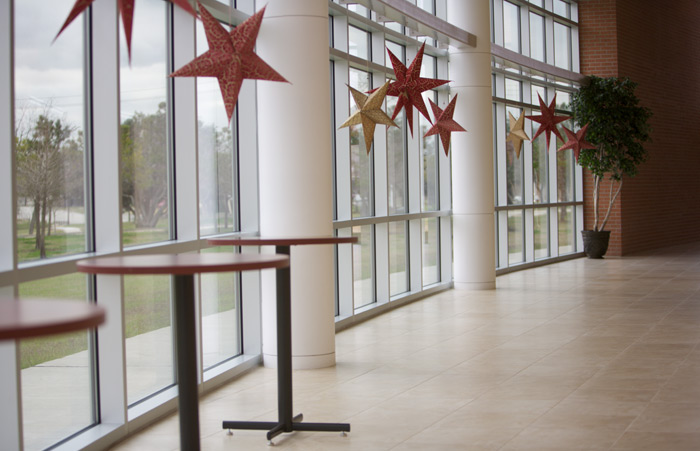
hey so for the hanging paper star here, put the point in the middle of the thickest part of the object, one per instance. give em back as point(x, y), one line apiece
point(369, 112)
point(577, 141)
point(126, 9)
point(230, 57)
point(444, 125)
point(517, 135)
point(409, 85)
point(548, 120)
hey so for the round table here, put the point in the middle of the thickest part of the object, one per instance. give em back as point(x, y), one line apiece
point(287, 422)
point(183, 267)
point(24, 318)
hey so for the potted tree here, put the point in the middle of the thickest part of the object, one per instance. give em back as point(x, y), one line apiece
point(617, 128)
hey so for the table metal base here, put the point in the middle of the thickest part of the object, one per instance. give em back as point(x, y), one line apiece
point(287, 422)
point(276, 428)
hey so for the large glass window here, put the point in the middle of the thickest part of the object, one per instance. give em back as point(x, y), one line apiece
point(431, 245)
point(363, 265)
point(537, 40)
point(562, 46)
point(217, 162)
point(511, 26)
point(538, 203)
point(398, 260)
point(58, 391)
point(49, 130)
point(361, 161)
point(144, 129)
point(149, 336)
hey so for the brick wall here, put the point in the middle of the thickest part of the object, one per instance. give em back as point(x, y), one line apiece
point(657, 45)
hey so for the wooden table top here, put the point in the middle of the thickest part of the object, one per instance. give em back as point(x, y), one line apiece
point(37, 317)
point(181, 264)
point(281, 241)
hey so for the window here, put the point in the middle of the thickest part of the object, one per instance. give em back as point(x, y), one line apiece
point(538, 199)
point(511, 26)
point(144, 129)
point(393, 197)
point(562, 46)
point(537, 47)
point(217, 162)
point(50, 134)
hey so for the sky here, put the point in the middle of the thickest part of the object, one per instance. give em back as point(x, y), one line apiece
point(49, 74)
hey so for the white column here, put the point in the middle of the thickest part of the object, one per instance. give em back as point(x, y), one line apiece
point(294, 122)
point(472, 152)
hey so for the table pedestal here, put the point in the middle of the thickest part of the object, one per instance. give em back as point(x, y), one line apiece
point(186, 352)
point(287, 422)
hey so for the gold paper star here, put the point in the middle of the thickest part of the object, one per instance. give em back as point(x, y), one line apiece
point(369, 112)
point(517, 135)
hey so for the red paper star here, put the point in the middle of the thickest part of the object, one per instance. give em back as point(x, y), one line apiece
point(548, 120)
point(230, 57)
point(444, 124)
point(126, 9)
point(409, 85)
point(577, 141)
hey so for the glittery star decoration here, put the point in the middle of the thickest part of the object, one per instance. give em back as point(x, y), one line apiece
point(409, 85)
point(369, 112)
point(126, 9)
point(230, 57)
point(548, 120)
point(444, 125)
point(577, 141)
point(517, 135)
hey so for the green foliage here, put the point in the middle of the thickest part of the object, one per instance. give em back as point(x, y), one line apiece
point(618, 126)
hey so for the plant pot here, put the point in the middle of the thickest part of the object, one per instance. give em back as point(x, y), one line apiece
point(595, 244)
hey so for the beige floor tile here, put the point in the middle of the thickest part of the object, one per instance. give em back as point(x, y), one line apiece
point(579, 355)
point(655, 441)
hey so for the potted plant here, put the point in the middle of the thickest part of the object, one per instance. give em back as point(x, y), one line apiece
point(617, 129)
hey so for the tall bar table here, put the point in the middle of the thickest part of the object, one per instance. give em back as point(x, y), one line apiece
point(183, 267)
point(287, 422)
point(24, 318)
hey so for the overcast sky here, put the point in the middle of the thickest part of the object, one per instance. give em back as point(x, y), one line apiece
point(49, 73)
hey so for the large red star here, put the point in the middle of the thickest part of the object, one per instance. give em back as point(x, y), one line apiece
point(230, 57)
point(548, 120)
point(126, 9)
point(409, 85)
point(444, 124)
point(577, 141)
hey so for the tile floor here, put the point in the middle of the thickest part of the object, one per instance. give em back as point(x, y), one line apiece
point(585, 354)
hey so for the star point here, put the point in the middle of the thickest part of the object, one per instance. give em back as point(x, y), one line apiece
point(126, 10)
point(444, 125)
point(369, 113)
point(548, 120)
point(576, 141)
point(517, 134)
point(230, 57)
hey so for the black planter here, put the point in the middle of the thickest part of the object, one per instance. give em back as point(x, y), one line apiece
point(595, 244)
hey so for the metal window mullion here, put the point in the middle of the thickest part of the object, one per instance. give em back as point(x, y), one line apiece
point(105, 114)
point(183, 120)
point(10, 393)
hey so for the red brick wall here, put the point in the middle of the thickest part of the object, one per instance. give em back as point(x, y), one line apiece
point(657, 46)
point(598, 53)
